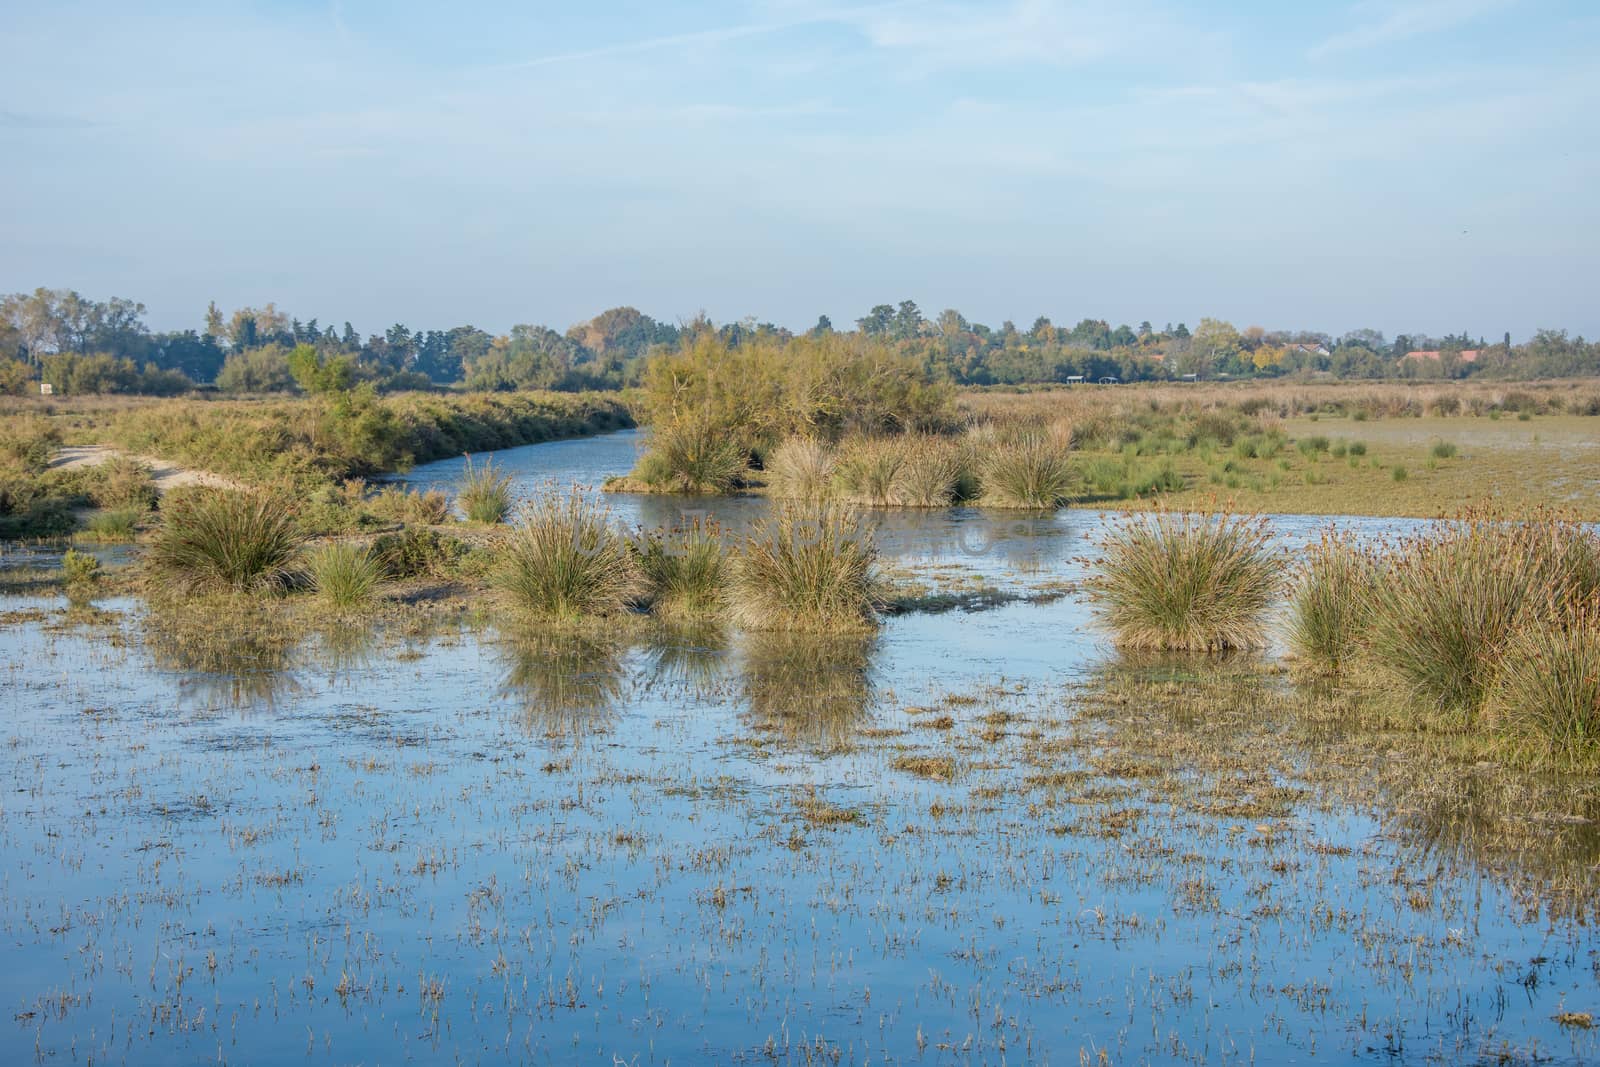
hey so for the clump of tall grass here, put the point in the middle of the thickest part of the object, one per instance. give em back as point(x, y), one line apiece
point(1442, 450)
point(693, 455)
point(1449, 601)
point(869, 469)
point(934, 473)
point(236, 540)
point(1331, 603)
point(121, 483)
point(1030, 471)
point(685, 569)
point(807, 567)
point(1547, 685)
point(1194, 583)
point(485, 494)
point(801, 468)
point(121, 524)
point(426, 507)
point(345, 574)
point(564, 560)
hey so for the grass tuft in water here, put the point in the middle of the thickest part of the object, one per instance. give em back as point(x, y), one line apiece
point(685, 569)
point(807, 568)
point(1195, 583)
point(1547, 685)
point(801, 468)
point(1329, 610)
point(565, 560)
point(225, 539)
point(345, 574)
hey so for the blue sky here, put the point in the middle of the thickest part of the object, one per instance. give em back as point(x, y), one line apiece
point(1408, 165)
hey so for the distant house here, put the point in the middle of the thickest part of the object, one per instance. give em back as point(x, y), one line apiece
point(1074, 379)
point(1469, 355)
point(1310, 348)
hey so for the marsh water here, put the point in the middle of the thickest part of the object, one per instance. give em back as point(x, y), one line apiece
point(979, 836)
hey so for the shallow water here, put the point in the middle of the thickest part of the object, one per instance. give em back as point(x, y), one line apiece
point(976, 837)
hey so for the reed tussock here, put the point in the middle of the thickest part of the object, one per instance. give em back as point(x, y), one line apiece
point(870, 468)
point(1547, 684)
point(1450, 600)
point(215, 540)
point(1193, 583)
point(1331, 606)
point(935, 472)
point(689, 455)
point(685, 569)
point(485, 494)
point(563, 559)
point(345, 574)
point(1032, 471)
point(807, 568)
point(801, 468)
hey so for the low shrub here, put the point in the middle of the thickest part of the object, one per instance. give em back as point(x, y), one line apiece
point(1197, 583)
point(415, 553)
point(225, 539)
point(29, 441)
point(78, 568)
point(1399, 473)
point(345, 574)
point(429, 507)
point(1442, 450)
point(564, 560)
point(807, 568)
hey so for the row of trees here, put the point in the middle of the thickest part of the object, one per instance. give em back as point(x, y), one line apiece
point(80, 345)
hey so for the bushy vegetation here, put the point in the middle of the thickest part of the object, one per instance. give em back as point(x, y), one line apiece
point(345, 574)
point(685, 569)
point(79, 568)
point(1449, 602)
point(1331, 607)
point(484, 494)
point(807, 568)
point(751, 396)
point(1547, 684)
point(1032, 470)
point(1195, 583)
point(565, 560)
point(225, 540)
point(801, 468)
point(690, 455)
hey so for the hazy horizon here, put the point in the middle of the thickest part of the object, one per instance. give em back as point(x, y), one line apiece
point(1409, 166)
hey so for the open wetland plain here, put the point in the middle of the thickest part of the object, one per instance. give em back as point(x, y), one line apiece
point(977, 834)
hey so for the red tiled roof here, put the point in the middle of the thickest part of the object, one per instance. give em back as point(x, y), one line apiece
point(1469, 355)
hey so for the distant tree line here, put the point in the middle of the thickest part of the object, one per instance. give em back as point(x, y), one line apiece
point(80, 345)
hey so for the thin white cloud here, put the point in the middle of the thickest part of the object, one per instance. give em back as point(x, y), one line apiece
point(1394, 22)
point(712, 36)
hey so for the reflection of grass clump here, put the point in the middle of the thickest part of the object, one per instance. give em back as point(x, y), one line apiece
point(1199, 583)
point(812, 689)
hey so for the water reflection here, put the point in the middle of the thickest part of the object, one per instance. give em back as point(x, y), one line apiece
point(1542, 831)
point(567, 683)
point(223, 660)
point(689, 656)
point(808, 689)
